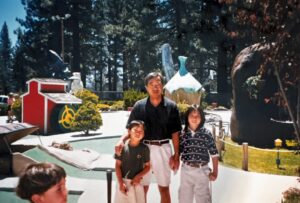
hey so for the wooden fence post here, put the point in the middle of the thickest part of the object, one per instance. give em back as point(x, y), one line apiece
point(220, 143)
point(245, 156)
point(223, 140)
point(219, 147)
point(221, 129)
point(214, 132)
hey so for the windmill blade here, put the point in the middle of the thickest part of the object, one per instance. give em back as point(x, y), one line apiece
point(55, 56)
point(57, 65)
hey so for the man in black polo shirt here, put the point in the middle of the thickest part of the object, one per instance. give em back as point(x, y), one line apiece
point(162, 124)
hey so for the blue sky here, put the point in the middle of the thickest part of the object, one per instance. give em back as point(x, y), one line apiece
point(9, 11)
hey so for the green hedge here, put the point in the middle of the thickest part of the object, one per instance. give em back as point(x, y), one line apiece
point(3, 109)
point(117, 105)
point(87, 116)
point(17, 109)
point(131, 96)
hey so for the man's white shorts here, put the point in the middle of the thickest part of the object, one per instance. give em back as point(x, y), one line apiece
point(160, 168)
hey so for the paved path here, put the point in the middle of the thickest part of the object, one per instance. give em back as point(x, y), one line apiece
point(232, 185)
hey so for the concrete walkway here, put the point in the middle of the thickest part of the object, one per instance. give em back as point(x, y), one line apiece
point(232, 185)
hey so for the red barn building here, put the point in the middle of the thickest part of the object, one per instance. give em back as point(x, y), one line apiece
point(43, 97)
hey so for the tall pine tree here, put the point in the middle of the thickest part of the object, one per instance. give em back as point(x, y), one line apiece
point(6, 82)
point(20, 70)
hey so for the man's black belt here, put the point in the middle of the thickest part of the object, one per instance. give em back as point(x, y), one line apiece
point(156, 142)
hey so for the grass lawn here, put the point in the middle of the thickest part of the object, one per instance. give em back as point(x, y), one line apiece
point(262, 161)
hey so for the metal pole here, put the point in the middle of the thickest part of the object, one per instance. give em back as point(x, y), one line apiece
point(109, 180)
point(277, 160)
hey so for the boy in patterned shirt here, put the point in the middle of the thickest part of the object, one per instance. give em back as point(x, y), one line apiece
point(196, 147)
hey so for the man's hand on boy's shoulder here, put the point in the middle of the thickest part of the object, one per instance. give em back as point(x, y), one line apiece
point(118, 148)
point(116, 156)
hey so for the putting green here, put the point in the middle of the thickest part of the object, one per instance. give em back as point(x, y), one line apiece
point(103, 145)
point(10, 197)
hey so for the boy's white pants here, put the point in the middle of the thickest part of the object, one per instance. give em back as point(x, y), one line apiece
point(194, 183)
point(135, 194)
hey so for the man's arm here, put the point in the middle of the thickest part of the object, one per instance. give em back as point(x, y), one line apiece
point(120, 144)
point(174, 161)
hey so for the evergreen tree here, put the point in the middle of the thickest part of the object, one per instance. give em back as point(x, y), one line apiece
point(102, 37)
point(133, 42)
point(87, 116)
point(56, 25)
point(20, 75)
point(37, 33)
point(6, 82)
point(86, 42)
point(276, 24)
point(99, 43)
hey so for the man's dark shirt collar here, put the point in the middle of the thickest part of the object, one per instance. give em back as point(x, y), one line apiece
point(163, 102)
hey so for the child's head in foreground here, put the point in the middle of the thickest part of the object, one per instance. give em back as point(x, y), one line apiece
point(43, 183)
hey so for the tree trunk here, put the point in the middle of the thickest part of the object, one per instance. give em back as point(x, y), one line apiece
point(109, 75)
point(86, 132)
point(295, 123)
point(298, 108)
point(101, 73)
point(115, 76)
point(96, 81)
point(125, 71)
point(179, 37)
point(75, 38)
point(222, 85)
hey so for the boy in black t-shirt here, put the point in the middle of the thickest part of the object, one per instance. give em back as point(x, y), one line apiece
point(132, 165)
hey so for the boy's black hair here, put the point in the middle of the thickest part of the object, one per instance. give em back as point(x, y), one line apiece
point(190, 110)
point(153, 75)
point(134, 123)
point(38, 178)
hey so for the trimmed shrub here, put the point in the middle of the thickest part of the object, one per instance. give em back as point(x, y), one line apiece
point(87, 118)
point(108, 102)
point(182, 107)
point(3, 109)
point(292, 195)
point(87, 96)
point(103, 107)
point(292, 144)
point(117, 105)
point(131, 96)
point(17, 109)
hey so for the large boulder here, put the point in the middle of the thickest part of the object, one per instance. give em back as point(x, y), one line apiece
point(254, 118)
